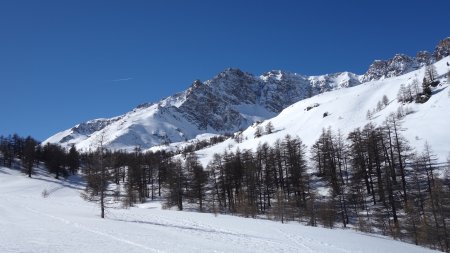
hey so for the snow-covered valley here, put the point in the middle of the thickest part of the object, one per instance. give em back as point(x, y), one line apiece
point(278, 146)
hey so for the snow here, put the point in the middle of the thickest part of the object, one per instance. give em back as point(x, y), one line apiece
point(347, 110)
point(242, 100)
point(143, 127)
point(177, 146)
point(64, 222)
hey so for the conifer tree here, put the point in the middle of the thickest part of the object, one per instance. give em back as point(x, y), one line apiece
point(73, 160)
point(29, 155)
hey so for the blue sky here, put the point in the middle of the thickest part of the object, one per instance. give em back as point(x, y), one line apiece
point(64, 62)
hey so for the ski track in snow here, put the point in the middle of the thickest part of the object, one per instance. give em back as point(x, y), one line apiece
point(78, 226)
point(63, 222)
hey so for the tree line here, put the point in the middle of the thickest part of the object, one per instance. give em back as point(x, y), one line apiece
point(369, 179)
point(27, 153)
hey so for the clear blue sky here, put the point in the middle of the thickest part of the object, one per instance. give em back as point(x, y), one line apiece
point(64, 62)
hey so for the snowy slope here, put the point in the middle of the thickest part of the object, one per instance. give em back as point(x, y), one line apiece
point(63, 222)
point(230, 101)
point(347, 110)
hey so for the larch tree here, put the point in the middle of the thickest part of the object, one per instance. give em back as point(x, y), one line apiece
point(73, 160)
point(29, 155)
point(97, 178)
point(269, 128)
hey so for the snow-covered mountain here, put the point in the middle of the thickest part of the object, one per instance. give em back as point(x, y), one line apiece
point(347, 110)
point(231, 101)
point(401, 64)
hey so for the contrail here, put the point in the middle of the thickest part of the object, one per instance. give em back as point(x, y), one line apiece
point(122, 79)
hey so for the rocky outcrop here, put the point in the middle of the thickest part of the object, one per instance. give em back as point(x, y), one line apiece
point(401, 64)
point(442, 49)
point(230, 101)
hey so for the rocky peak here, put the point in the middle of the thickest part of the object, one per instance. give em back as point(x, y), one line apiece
point(401, 64)
point(398, 65)
point(231, 100)
point(232, 73)
point(273, 75)
point(197, 83)
point(195, 87)
point(424, 58)
point(442, 49)
point(92, 126)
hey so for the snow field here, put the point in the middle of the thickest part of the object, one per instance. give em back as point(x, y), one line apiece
point(64, 222)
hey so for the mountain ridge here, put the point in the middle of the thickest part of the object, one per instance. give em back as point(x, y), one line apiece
point(230, 101)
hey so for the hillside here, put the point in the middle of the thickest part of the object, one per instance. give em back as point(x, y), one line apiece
point(64, 222)
point(347, 109)
point(230, 101)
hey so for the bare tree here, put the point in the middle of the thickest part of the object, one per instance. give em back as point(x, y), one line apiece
point(29, 155)
point(258, 132)
point(430, 73)
point(269, 127)
point(97, 178)
point(385, 100)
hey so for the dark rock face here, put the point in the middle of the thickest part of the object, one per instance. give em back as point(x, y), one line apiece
point(216, 103)
point(402, 64)
point(442, 49)
point(399, 65)
point(233, 100)
point(230, 101)
point(424, 58)
point(91, 126)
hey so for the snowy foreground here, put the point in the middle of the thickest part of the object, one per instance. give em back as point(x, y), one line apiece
point(64, 222)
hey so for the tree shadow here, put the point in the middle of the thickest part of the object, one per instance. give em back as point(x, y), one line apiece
point(198, 229)
point(63, 183)
point(4, 172)
point(436, 91)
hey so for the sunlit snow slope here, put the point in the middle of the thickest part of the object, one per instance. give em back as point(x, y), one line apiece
point(347, 109)
point(230, 101)
point(63, 222)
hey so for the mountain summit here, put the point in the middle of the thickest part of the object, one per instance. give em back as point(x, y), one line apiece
point(230, 101)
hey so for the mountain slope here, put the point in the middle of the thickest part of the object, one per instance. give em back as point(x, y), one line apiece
point(64, 222)
point(347, 110)
point(230, 101)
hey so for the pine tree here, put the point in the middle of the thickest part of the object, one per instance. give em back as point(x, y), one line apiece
point(6, 150)
point(430, 74)
point(73, 160)
point(97, 178)
point(379, 106)
point(29, 155)
point(415, 87)
point(426, 90)
point(54, 158)
point(176, 184)
point(197, 180)
point(269, 127)
point(258, 132)
point(385, 100)
point(401, 94)
point(401, 148)
point(408, 96)
point(369, 115)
